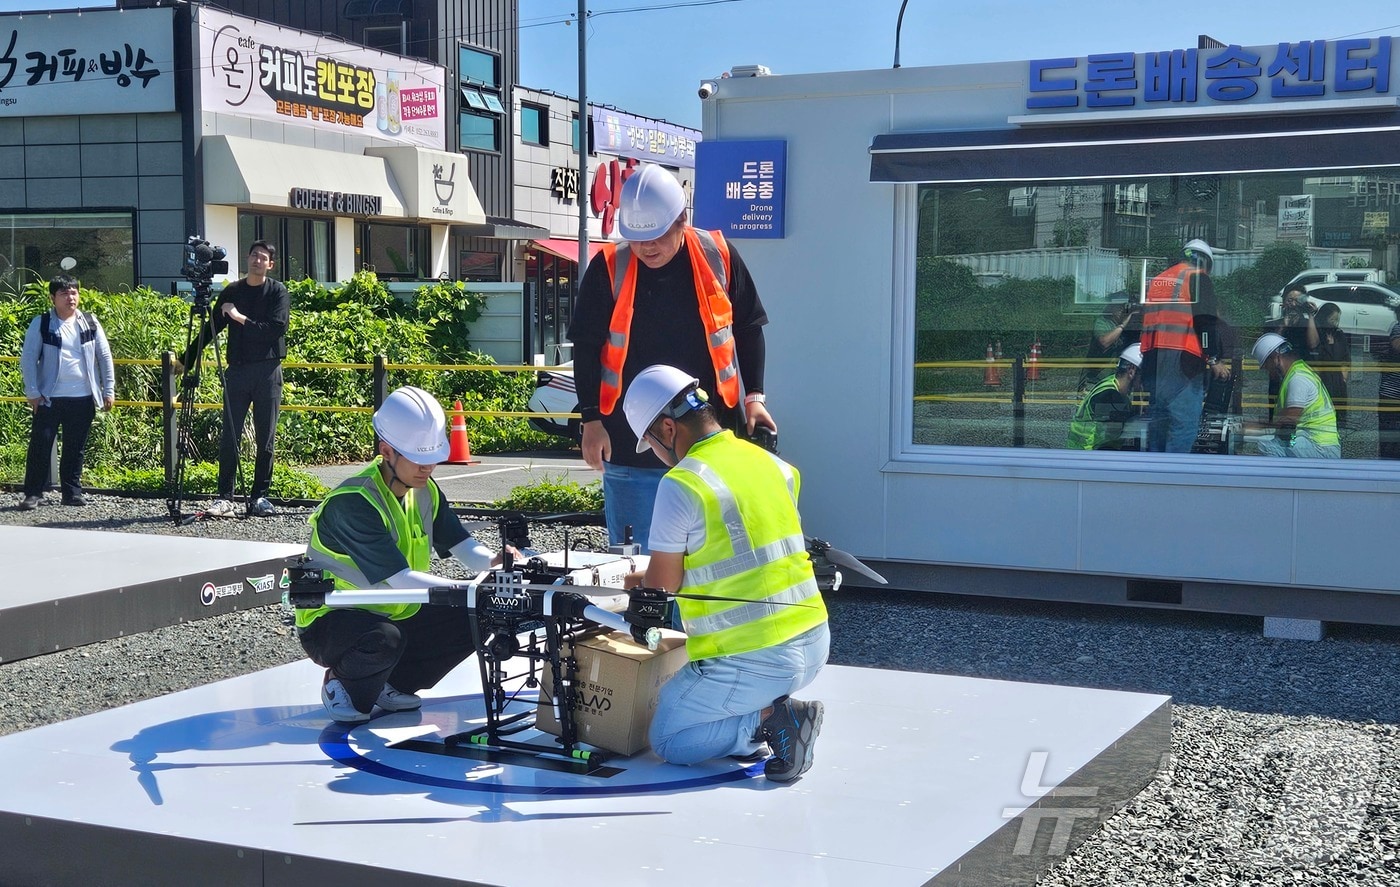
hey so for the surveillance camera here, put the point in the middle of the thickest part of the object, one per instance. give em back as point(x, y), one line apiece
point(707, 89)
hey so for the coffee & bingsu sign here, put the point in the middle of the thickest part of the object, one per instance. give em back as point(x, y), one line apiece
point(343, 203)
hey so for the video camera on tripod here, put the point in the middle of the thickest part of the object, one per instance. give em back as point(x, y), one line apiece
point(202, 261)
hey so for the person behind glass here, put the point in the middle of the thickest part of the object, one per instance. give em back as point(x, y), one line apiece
point(1297, 325)
point(726, 530)
point(1332, 357)
point(66, 365)
point(1119, 326)
point(255, 310)
point(379, 529)
point(671, 294)
point(1099, 419)
point(1388, 402)
point(1183, 339)
point(1304, 423)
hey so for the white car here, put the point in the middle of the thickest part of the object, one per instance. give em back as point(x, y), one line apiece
point(554, 393)
point(1368, 308)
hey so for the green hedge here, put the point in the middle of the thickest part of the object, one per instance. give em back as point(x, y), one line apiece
point(339, 324)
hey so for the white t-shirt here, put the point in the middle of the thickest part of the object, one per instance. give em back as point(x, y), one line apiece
point(678, 519)
point(71, 381)
point(1302, 390)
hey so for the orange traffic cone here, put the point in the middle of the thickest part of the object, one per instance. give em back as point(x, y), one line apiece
point(991, 377)
point(1033, 364)
point(459, 448)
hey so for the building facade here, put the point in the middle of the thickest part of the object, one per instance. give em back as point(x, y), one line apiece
point(953, 234)
point(548, 190)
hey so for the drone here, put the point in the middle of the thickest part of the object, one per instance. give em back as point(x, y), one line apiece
point(528, 614)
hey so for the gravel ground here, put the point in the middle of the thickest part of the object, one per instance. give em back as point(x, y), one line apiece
point(1283, 771)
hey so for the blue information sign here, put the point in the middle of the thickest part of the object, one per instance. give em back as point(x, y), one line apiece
point(740, 187)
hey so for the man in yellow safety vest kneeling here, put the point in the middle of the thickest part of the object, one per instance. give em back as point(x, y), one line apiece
point(726, 532)
point(379, 529)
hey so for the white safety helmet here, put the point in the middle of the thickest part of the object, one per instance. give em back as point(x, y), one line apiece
point(651, 392)
point(1132, 354)
point(652, 200)
point(1195, 249)
point(412, 421)
point(1267, 344)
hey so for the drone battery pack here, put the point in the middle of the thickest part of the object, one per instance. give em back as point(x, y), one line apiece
point(618, 684)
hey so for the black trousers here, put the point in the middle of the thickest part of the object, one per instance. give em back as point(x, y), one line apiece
point(257, 385)
point(74, 416)
point(367, 650)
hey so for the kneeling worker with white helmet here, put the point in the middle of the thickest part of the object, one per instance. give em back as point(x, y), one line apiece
point(1304, 423)
point(1099, 419)
point(726, 528)
point(379, 529)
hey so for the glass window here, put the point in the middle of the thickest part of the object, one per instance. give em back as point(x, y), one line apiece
point(303, 245)
point(476, 66)
point(394, 252)
point(534, 125)
point(474, 98)
point(573, 131)
point(33, 246)
point(482, 267)
point(1025, 296)
point(493, 103)
point(479, 131)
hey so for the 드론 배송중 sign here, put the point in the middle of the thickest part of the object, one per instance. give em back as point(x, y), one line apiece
point(101, 62)
point(741, 187)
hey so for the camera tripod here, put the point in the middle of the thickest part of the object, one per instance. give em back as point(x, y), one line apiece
point(198, 324)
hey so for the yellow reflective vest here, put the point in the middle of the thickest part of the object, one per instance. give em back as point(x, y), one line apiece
point(409, 523)
point(1319, 418)
point(754, 551)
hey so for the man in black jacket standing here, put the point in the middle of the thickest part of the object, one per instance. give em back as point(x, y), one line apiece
point(255, 311)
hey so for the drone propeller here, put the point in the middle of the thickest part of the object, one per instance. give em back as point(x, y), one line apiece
point(849, 561)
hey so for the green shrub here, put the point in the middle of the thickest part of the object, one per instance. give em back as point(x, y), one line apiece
point(554, 496)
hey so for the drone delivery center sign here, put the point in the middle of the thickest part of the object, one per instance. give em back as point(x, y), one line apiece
point(260, 70)
point(741, 187)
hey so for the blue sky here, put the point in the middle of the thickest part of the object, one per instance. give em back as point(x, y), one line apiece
point(650, 61)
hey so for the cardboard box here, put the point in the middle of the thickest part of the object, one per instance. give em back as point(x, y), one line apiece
point(618, 685)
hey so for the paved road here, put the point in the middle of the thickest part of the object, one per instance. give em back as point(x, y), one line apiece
point(491, 477)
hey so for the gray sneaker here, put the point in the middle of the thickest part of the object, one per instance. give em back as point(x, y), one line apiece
point(392, 700)
point(29, 503)
point(338, 705)
point(791, 731)
point(262, 508)
point(219, 508)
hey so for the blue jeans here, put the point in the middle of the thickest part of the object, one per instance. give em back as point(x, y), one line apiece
point(74, 416)
point(712, 707)
point(1302, 448)
point(1174, 411)
point(629, 497)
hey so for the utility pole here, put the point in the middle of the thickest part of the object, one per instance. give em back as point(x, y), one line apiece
point(583, 122)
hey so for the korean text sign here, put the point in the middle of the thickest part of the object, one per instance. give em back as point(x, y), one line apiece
point(264, 71)
point(102, 62)
point(741, 187)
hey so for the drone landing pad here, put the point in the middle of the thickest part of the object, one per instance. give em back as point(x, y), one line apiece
point(919, 778)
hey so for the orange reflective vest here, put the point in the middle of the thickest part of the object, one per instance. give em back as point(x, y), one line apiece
point(709, 263)
point(1167, 320)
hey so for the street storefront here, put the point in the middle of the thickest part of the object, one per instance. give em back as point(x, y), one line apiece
point(91, 171)
point(548, 190)
point(967, 236)
point(334, 153)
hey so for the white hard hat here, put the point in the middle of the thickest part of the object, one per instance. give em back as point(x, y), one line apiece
point(652, 200)
point(1132, 354)
point(650, 393)
point(412, 421)
point(1198, 246)
point(1266, 345)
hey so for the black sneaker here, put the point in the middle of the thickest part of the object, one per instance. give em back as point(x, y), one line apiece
point(77, 499)
point(29, 503)
point(791, 731)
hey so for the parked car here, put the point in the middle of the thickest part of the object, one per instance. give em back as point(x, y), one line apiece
point(1368, 308)
point(554, 393)
point(1335, 275)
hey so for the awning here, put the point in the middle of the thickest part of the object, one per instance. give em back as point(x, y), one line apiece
point(1140, 149)
point(501, 228)
point(254, 173)
point(567, 249)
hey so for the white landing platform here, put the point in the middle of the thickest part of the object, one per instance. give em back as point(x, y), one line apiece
point(919, 779)
point(66, 588)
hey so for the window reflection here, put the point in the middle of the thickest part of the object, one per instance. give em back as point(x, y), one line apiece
point(1018, 285)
